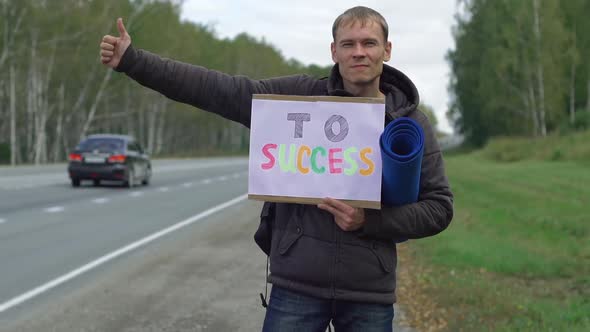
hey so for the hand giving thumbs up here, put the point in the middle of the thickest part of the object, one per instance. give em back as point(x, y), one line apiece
point(112, 48)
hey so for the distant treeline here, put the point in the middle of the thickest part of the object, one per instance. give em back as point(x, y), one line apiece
point(53, 89)
point(520, 67)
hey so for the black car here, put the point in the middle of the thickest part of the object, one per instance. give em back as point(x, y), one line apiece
point(109, 157)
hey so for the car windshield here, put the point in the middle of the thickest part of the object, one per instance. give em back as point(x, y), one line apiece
point(108, 145)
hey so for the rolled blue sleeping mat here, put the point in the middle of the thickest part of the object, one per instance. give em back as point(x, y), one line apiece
point(402, 147)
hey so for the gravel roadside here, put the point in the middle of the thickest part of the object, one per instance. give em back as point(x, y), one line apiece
point(204, 278)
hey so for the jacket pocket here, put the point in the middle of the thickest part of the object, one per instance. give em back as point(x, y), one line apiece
point(382, 251)
point(289, 238)
point(366, 265)
point(300, 259)
point(385, 256)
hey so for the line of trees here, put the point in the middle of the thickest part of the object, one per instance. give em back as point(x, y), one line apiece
point(53, 89)
point(520, 67)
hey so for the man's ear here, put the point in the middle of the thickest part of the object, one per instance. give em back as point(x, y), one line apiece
point(333, 50)
point(387, 51)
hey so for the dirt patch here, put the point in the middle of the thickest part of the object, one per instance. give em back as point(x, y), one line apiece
point(421, 310)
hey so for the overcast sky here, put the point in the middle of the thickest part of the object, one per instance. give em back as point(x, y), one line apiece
point(419, 30)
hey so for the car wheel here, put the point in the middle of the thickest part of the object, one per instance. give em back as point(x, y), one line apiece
point(146, 179)
point(96, 182)
point(130, 182)
point(75, 182)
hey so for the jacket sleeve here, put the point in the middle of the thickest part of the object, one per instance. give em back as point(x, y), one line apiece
point(209, 90)
point(433, 211)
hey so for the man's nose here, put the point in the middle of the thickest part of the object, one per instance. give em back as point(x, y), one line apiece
point(359, 50)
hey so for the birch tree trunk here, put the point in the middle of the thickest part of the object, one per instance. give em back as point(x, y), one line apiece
point(127, 109)
point(99, 93)
point(533, 108)
point(13, 142)
point(540, 74)
point(151, 130)
point(141, 124)
point(9, 35)
point(40, 122)
point(160, 127)
point(81, 97)
point(31, 102)
point(59, 124)
point(573, 93)
point(43, 109)
point(574, 62)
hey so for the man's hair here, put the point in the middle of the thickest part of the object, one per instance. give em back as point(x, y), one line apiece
point(363, 15)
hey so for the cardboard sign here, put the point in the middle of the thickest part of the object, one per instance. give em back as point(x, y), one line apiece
point(303, 149)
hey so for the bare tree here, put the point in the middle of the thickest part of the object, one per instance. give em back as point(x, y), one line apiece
point(59, 123)
point(539, 69)
point(13, 142)
point(103, 85)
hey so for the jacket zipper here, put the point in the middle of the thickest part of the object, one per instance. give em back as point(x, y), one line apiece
point(336, 255)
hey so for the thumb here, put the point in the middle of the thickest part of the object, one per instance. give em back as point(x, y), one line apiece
point(121, 27)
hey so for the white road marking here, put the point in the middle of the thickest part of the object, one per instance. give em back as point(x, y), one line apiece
point(136, 194)
point(16, 182)
point(192, 166)
point(108, 257)
point(163, 189)
point(44, 175)
point(206, 181)
point(2, 221)
point(101, 200)
point(54, 209)
point(187, 184)
point(236, 175)
point(222, 178)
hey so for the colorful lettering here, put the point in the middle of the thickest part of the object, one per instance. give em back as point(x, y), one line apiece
point(332, 160)
point(295, 160)
point(287, 165)
point(303, 149)
point(353, 165)
point(271, 159)
point(370, 165)
point(314, 166)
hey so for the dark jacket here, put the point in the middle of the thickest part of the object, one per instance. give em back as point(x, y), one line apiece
point(308, 252)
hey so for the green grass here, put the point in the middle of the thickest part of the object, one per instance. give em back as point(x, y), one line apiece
point(572, 146)
point(517, 254)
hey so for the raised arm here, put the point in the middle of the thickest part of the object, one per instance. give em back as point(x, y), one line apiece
point(209, 90)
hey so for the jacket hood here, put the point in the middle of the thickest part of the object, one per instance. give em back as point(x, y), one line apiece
point(401, 93)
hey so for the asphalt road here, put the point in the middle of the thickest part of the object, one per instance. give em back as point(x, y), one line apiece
point(176, 255)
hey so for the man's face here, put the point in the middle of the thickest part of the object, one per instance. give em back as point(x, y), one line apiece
point(360, 52)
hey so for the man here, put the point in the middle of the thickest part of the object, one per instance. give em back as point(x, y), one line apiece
point(330, 262)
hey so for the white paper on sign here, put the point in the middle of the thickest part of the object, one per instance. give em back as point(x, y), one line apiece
point(316, 149)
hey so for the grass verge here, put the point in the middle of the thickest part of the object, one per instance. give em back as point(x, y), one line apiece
point(517, 254)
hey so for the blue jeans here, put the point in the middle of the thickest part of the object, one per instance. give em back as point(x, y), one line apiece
point(289, 311)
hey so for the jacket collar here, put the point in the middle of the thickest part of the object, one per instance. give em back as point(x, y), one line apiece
point(400, 92)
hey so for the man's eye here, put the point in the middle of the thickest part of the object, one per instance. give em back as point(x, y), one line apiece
point(371, 43)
